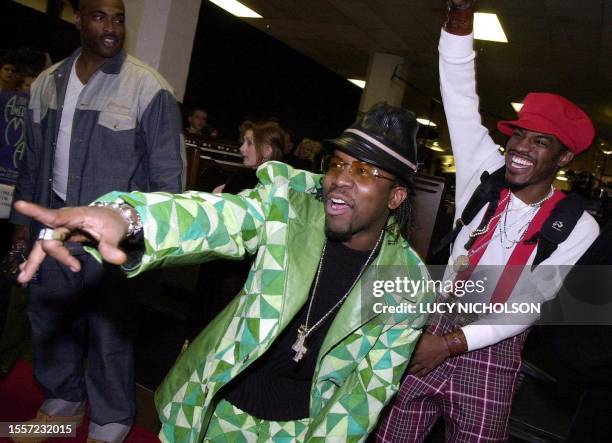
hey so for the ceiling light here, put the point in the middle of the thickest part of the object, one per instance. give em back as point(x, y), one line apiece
point(488, 27)
point(360, 83)
point(435, 146)
point(604, 146)
point(517, 106)
point(426, 122)
point(561, 178)
point(236, 8)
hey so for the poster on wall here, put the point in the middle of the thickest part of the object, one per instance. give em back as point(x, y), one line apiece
point(13, 106)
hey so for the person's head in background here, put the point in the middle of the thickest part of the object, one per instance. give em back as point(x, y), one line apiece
point(308, 149)
point(25, 81)
point(262, 142)
point(30, 63)
point(197, 120)
point(288, 147)
point(8, 74)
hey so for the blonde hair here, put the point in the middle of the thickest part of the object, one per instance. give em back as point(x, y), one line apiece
point(308, 149)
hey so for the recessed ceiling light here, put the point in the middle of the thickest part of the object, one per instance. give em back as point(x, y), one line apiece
point(360, 83)
point(426, 122)
point(488, 27)
point(236, 8)
point(517, 106)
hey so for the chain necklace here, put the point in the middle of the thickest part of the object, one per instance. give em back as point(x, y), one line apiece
point(477, 232)
point(462, 262)
point(534, 208)
point(304, 330)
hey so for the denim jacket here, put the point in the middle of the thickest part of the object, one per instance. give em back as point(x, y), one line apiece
point(126, 134)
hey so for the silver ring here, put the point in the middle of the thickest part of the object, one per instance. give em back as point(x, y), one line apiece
point(46, 234)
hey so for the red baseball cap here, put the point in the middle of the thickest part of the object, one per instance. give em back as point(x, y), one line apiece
point(555, 115)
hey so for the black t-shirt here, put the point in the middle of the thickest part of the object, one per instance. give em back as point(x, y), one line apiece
point(274, 387)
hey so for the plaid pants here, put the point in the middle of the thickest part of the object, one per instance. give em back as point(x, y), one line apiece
point(230, 424)
point(471, 392)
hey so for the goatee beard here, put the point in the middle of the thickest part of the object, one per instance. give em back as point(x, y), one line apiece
point(339, 236)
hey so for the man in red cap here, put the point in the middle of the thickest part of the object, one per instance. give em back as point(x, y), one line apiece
point(464, 369)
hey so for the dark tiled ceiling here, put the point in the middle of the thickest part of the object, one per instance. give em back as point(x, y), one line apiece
point(563, 46)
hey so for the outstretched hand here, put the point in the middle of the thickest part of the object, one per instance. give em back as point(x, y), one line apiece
point(79, 224)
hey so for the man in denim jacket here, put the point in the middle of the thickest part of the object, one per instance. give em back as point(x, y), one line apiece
point(98, 121)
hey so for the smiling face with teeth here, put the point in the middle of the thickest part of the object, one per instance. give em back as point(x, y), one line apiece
point(102, 26)
point(355, 213)
point(532, 161)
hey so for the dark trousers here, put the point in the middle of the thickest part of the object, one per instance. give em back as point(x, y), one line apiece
point(77, 315)
point(592, 420)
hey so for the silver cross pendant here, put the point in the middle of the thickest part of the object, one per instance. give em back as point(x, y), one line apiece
point(299, 346)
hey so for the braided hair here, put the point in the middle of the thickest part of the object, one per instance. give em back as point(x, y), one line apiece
point(403, 214)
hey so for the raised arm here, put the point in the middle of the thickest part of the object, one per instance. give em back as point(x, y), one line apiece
point(473, 148)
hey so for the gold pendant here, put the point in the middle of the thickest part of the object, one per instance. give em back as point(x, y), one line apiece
point(461, 263)
point(299, 346)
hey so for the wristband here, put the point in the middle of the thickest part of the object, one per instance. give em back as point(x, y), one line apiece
point(459, 20)
point(456, 342)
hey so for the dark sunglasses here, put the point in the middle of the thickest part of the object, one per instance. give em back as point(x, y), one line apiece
point(361, 172)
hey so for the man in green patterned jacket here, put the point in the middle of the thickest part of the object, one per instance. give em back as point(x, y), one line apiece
point(301, 353)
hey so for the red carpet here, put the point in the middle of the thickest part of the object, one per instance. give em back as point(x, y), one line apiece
point(20, 398)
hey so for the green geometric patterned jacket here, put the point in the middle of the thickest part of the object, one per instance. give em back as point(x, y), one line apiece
point(363, 355)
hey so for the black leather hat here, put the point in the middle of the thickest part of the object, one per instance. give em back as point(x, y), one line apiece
point(385, 136)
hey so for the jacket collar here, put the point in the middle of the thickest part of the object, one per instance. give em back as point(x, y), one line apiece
point(304, 252)
point(112, 66)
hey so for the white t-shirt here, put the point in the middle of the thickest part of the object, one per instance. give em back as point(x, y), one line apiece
point(475, 152)
point(61, 161)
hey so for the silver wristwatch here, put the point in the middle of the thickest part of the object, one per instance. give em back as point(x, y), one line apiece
point(129, 214)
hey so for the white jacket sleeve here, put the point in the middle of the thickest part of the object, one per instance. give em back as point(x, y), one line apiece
point(474, 150)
